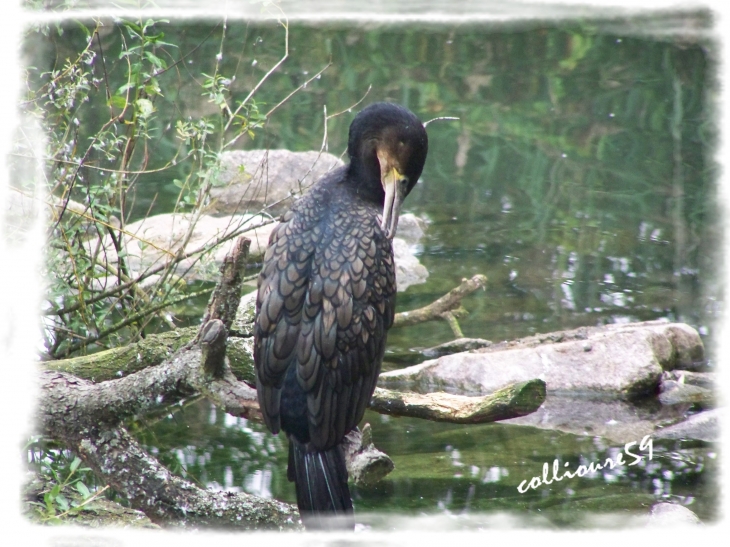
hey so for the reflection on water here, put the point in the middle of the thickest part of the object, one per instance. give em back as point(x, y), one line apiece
point(461, 471)
point(576, 179)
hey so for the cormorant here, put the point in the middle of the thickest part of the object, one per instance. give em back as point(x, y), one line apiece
point(326, 298)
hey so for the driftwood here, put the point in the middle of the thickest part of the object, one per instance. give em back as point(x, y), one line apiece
point(87, 418)
point(156, 348)
point(510, 402)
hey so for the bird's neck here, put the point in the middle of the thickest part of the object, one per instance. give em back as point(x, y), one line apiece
point(363, 179)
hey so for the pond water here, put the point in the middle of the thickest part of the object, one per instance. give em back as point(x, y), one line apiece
point(578, 178)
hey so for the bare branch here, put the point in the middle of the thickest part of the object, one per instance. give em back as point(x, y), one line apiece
point(285, 24)
point(443, 305)
point(302, 86)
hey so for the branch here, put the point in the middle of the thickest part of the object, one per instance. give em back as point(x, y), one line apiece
point(510, 402)
point(443, 306)
point(122, 463)
point(222, 308)
point(365, 463)
point(285, 24)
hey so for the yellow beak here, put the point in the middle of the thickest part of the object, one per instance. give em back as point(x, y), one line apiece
point(394, 185)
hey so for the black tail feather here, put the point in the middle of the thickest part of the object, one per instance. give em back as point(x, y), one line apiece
point(320, 478)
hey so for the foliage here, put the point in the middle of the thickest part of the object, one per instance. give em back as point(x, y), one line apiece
point(100, 105)
point(63, 473)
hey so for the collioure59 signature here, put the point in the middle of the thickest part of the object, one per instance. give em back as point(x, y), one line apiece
point(536, 482)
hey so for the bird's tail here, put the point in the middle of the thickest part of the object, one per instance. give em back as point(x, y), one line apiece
point(320, 478)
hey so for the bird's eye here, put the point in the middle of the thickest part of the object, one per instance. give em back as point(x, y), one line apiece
point(401, 144)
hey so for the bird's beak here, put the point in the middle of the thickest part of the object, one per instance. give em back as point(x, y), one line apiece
point(394, 185)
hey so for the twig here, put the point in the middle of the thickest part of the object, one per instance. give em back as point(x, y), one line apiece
point(302, 86)
point(443, 305)
point(154, 270)
point(80, 505)
point(453, 323)
point(129, 320)
point(285, 24)
point(440, 118)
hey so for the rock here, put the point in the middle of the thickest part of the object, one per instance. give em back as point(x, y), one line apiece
point(618, 421)
point(689, 352)
point(671, 514)
point(615, 360)
point(411, 228)
point(673, 393)
point(267, 181)
point(707, 380)
point(702, 427)
point(408, 270)
point(152, 241)
point(253, 180)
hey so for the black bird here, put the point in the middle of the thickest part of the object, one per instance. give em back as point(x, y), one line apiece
point(326, 299)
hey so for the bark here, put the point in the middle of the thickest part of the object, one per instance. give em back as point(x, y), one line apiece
point(365, 463)
point(154, 349)
point(222, 308)
point(118, 362)
point(87, 418)
point(121, 462)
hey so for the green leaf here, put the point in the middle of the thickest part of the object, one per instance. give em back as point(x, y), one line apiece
point(83, 490)
point(62, 502)
point(75, 464)
point(132, 26)
point(123, 90)
point(48, 499)
point(155, 60)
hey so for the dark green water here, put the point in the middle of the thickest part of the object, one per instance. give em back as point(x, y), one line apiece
point(577, 178)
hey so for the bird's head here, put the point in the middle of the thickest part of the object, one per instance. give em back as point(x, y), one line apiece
point(387, 148)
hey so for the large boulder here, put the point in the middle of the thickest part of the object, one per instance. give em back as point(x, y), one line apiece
point(154, 240)
point(703, 427)
point(250, 181)
point(253, 188)
point(613, 360)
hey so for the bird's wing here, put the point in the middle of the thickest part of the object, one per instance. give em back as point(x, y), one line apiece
point(282, 286)
point(347, 311)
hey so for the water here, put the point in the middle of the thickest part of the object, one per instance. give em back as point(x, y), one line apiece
point(577, 178)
